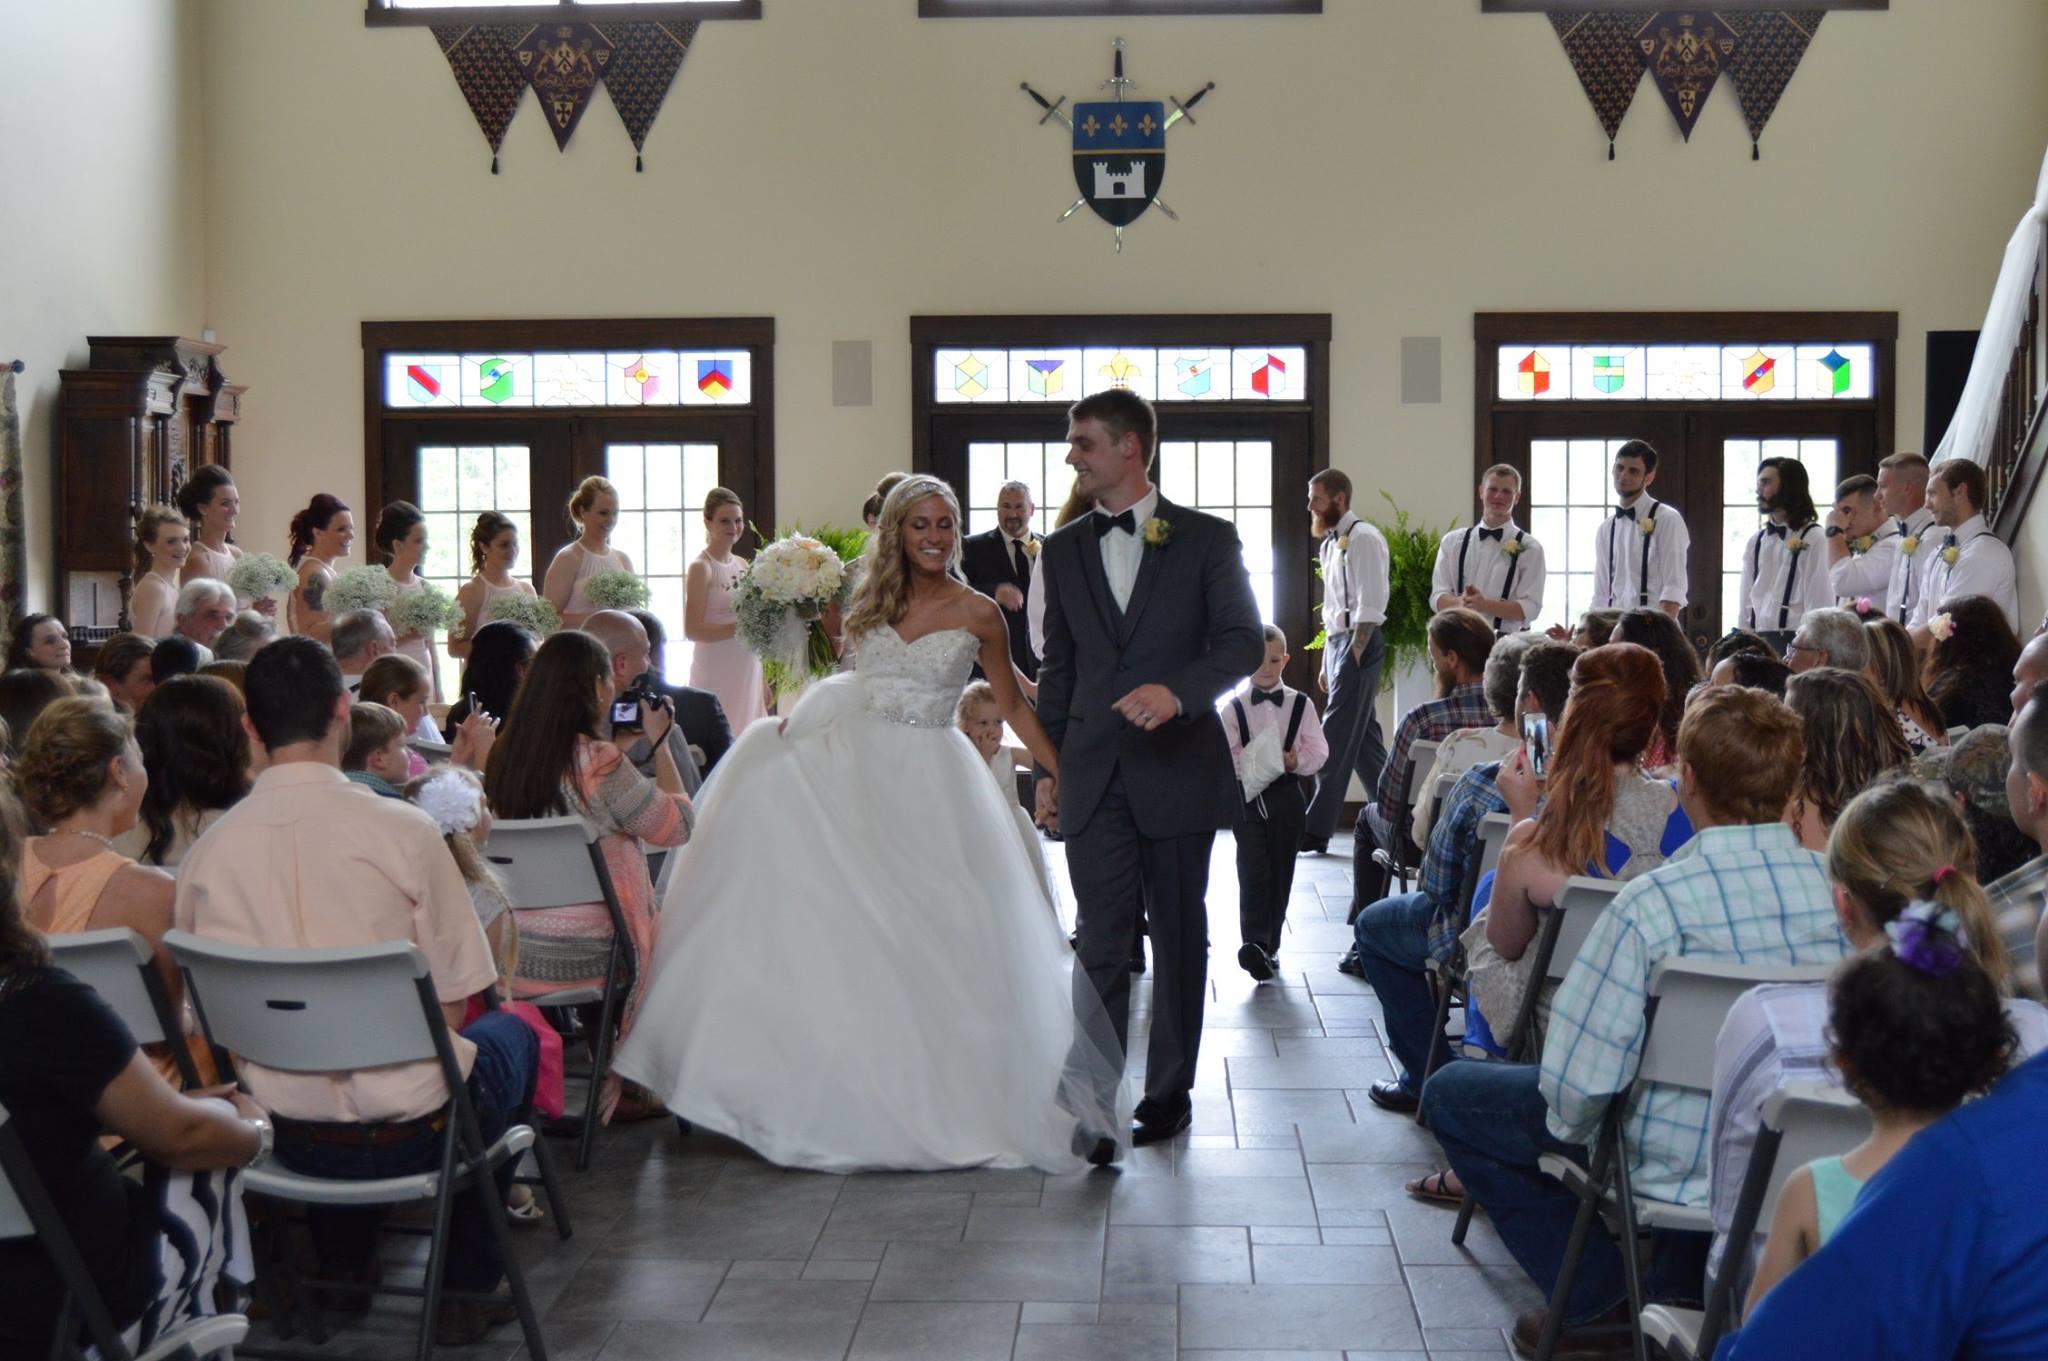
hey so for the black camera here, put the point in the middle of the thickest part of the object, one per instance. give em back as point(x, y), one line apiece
point(628, 703)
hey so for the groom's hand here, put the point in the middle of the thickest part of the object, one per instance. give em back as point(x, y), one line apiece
point(1149, 707)
point(1047, 798)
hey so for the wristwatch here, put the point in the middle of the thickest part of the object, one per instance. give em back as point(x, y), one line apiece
point(1834, 531)
point(265, 1138)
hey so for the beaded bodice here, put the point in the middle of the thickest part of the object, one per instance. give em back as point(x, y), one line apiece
point(917, 683)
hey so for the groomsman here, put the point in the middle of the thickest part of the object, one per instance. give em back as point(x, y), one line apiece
point(1902, 491)
point(1355, 569)
point(1863, 544)
point(1784, 569)
point(998, 564)
point(1639, 552)
point(1495, 567)
point(1968, 558)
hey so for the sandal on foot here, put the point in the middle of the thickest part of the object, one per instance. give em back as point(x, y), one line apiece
point(1436, 1188)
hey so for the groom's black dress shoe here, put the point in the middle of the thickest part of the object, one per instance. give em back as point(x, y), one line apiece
point(1253, 959)
point(1156, 1127)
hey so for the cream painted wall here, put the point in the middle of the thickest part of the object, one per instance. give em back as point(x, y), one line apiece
point(841, 165)
point(101, 215)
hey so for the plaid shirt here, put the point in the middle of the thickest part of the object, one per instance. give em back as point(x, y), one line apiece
point(2017, 900)
point(1453, 846)
point(1430, 721)
point(1739, 895)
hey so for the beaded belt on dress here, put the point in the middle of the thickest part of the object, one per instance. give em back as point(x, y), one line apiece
point(908, 718)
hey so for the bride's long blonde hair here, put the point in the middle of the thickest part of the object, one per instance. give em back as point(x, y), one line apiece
point(883, 595)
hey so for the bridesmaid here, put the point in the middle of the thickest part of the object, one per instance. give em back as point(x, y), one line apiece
point(163, 545)
point(210, 504)
point(594, 509)
point(493, 553)
point(401, 538)
point(720, 662)
point(321, 534)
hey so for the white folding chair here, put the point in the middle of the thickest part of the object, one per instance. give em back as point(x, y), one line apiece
point(27, 1211)
point(1493, 835)
point(556, 862)
point(1397, 859)
point(1802, 1121)
point(339, 1011)
point(1688, 1000)
point(119, 965)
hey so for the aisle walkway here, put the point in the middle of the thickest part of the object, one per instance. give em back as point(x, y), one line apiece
point(1278, 1229)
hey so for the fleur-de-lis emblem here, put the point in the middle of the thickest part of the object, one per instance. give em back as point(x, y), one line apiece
point(1090, 126)
point(1117, 125)
point(1145, 125)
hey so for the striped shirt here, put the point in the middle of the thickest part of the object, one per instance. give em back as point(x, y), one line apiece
point(1738, 895)
point(1430, 721)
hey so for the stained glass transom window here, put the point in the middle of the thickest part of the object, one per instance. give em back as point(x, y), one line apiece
point(1739, 515)
point(661, 525)
point(1233, 479)
point(624, 378)
point(455, 483)
point(1753, 371)
point(1248, 374)
point(1571, 490)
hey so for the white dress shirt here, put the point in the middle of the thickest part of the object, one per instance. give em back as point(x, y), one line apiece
point(1620, 549)
point(1903, 589)
point(1123, 554)
point(1778, 585)
point(1355, 579)
point(1866, 575)
point(1983, 566)
point(1477, 557)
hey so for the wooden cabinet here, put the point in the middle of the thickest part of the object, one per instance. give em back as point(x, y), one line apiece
point(131, 429)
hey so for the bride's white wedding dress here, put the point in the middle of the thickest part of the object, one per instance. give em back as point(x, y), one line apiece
point(857, 966)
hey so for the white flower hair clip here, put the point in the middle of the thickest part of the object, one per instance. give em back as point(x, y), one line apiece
point(453, 801)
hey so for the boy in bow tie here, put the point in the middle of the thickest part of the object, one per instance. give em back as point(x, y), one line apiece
point(1276, 801)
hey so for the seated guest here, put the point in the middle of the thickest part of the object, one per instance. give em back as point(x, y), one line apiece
point(1742, 891)
point(1460, 640)
point(24, 693)
point(1883, 856)
point(553, 758)
point(1895, 667)
point(1969, 670)
point(1753, 671)
point(243, 638)
point(1659, 632)
point(360, 637)
point(376, 754)
point(204, 609)
point(1396, 937)
point(306, 861)
point(1828, 637)
point(626, 640)
point(1736, 641)
point(399, 683)
point(122, 665)
point(2020, 895)
point(1595, 628)
point(1973, 769)
point(70, 1070)
point(497, 662)
point(40, 641)
point(1852, 739)
point(1467, 747)
point(698, 712)
point(234, 674)
point(196, 753)
point(174, 656)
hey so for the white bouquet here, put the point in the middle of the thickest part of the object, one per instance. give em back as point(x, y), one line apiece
point(528, 611)
point(779, 601)
point(615, 590)
point(261, 576)
point(427, 610)
point(360, 588)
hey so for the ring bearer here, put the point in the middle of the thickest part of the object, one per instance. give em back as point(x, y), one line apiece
point(1276, 743)
point(1494, 567)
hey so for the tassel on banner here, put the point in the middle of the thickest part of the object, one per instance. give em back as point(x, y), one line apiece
point(1610, 148)
point(637, 167)
point(494, 162)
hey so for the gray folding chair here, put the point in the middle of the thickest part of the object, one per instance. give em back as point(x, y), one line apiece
point(1802, 1121)
point(120, 966)
point(338, 1011)
point(1447, 979)
point(1688, 1001)
point(556, 862)
point(1493, 835)
point(27, 1211)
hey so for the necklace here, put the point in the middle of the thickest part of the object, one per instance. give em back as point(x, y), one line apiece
point(106, 841)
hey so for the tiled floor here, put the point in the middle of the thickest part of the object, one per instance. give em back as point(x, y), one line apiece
point(1278, 1228)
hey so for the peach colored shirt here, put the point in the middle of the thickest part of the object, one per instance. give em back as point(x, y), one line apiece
point(310, 860)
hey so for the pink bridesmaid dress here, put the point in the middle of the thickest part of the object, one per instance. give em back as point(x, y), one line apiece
point(726, 668)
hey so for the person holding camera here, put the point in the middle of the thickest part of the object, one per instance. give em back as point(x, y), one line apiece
point(639, 692)
point(553, 757)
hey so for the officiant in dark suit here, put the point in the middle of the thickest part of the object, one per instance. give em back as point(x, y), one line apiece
point(998, 564)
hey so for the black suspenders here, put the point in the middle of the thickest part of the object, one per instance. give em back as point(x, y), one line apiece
point(1613, 533)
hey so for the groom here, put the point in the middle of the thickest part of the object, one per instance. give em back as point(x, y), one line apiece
point(1149, 620)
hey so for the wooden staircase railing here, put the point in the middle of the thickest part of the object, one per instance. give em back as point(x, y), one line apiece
point(2014, 462)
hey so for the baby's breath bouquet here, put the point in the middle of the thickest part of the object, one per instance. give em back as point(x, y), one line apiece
point(360, 588)
point(529, 611)
point(261, 576)
point(779, 602)
point(427, 610)
point(616, 590)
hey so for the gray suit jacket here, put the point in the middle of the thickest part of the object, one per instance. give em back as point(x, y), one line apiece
point(1192, 626)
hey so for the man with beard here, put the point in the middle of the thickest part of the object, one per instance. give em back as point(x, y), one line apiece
point(1355, 567)
point(1784, 566)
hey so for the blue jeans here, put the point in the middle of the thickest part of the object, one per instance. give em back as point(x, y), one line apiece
point(1392, 936)
point(501, 1089)
point(1489, 1117)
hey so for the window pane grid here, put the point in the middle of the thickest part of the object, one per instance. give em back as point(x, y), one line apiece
point(663, 532)
point(1570, 494)
point(1041, 466)
point(1231, 479)
point(456, 484)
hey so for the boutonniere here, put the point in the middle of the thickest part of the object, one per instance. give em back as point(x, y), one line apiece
point(1512, 549)
point(1795, 545)
point(1951, 556)
point(1343, 543)
point(1158, 533)
point(1910, 545)
point(1860, 546)
point(1031, 548)
point(1941, 628)
point(1648, 526)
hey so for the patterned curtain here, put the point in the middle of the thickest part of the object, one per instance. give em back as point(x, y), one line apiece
point(13, 552)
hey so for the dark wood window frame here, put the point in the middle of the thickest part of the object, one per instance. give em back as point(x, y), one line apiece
point(1651, 6)
point(384, 14)
point(1109, 9)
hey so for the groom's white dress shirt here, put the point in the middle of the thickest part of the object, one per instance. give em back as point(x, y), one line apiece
point(1123, 553)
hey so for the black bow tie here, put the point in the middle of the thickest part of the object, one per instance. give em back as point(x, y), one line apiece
point(1775, 530)
point(1951, 542)
point(1902, 524)
point(1271, 697)
point(1625, 513)
point(1104, 522)
point(1493, 534)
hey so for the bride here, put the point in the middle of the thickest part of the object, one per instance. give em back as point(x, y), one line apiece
point(857, 966)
